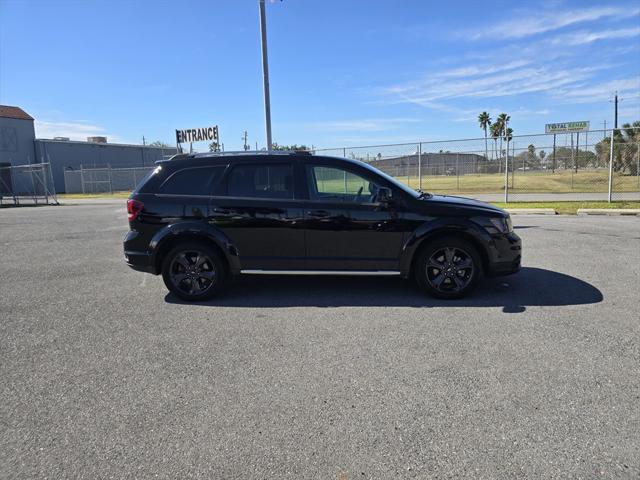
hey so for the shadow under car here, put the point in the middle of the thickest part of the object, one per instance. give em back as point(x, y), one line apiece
point(529, 287)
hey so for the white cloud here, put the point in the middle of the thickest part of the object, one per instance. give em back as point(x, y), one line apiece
point(471, 115)
point(361, 125)
point(601, 92)
point(483, 70)
point(73, 130)
point(525, 24)
point(584, 37)
point(514, 82)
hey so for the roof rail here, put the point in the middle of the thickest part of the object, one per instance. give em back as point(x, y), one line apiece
point(183, 156)
point(248, 152)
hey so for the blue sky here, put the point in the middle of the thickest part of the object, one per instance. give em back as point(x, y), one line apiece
point(342, 73)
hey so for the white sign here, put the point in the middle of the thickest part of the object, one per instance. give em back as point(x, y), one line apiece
point(206, 134)
point(566, 127)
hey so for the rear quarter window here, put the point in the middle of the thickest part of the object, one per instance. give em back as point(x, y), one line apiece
point(149, 181)
point(192, 181)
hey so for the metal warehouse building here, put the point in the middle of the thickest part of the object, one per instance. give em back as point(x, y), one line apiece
point(19, 146)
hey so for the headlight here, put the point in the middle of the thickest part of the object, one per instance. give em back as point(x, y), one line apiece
point(495, 224)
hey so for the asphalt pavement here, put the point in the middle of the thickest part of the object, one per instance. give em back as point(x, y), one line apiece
point(104, 375)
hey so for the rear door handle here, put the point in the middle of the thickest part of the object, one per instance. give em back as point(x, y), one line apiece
point(318, 213)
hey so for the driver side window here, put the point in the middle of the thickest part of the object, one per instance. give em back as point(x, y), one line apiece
point(336, 184)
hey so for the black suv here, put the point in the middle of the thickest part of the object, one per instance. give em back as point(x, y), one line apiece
point(202, 219)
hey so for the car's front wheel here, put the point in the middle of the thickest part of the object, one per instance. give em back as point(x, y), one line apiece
point(193, 271)
point(448, 268)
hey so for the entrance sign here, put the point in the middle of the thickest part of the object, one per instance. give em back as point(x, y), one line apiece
point(566, 127)
point(206, 134)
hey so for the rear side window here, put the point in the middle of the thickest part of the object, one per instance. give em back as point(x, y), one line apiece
point(261, 181)
point(192, 181)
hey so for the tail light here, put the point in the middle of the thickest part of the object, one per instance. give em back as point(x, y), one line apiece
point(134, 207)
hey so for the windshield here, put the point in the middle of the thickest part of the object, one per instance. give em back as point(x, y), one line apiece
point(395, 182)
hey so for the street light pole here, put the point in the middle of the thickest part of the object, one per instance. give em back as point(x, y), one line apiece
point(265, 75)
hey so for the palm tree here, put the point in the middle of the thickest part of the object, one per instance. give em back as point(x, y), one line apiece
point(508, 134)
point(502, 121)
point(495, 133)
point(542, 154)
point(485, 121)
point(630, 157)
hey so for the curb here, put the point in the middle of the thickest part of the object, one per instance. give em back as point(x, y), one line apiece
point(531, 211)
point(609, 211)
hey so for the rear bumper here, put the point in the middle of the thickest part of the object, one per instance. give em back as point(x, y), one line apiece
point(135, 254)
point(507, 255)
point(140, 261)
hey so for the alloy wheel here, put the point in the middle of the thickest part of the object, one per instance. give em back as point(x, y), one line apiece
point(192, 272)
point(450, 269)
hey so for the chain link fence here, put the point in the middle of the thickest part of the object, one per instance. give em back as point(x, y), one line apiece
point(561, 166)
point(103, 179)
point(30, 184)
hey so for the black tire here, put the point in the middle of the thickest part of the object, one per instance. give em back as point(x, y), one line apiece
point(194, 271)
point(448, 267)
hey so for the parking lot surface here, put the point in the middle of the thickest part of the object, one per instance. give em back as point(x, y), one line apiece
point(103, 375)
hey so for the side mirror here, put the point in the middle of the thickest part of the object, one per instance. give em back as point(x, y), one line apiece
point(384, 195)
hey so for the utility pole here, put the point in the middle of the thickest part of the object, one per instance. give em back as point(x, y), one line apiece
point(553, 165)
point(265, 74)
point(575, 164)
point(506, 164)
point(615, 109)
point(244, 138)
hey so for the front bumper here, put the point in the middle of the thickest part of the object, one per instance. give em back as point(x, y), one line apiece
point(506, 255)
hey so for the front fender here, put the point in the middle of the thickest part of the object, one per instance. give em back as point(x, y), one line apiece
point(443, 226)
point(199, 230)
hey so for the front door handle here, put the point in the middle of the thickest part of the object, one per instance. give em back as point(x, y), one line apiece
point(318, 213)
point(223, 211)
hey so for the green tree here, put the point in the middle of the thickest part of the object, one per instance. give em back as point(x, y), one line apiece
point(294, 148)
point(630, 157)
point(485, 121)
point(159, 144)
point(625, 149)
point(531, 155)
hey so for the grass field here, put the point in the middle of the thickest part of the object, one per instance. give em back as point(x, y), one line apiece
point(587, 181)
point(568, 208)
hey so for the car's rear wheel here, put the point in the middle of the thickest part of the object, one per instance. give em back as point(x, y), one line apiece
point(448, 268)
point(193, 271)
